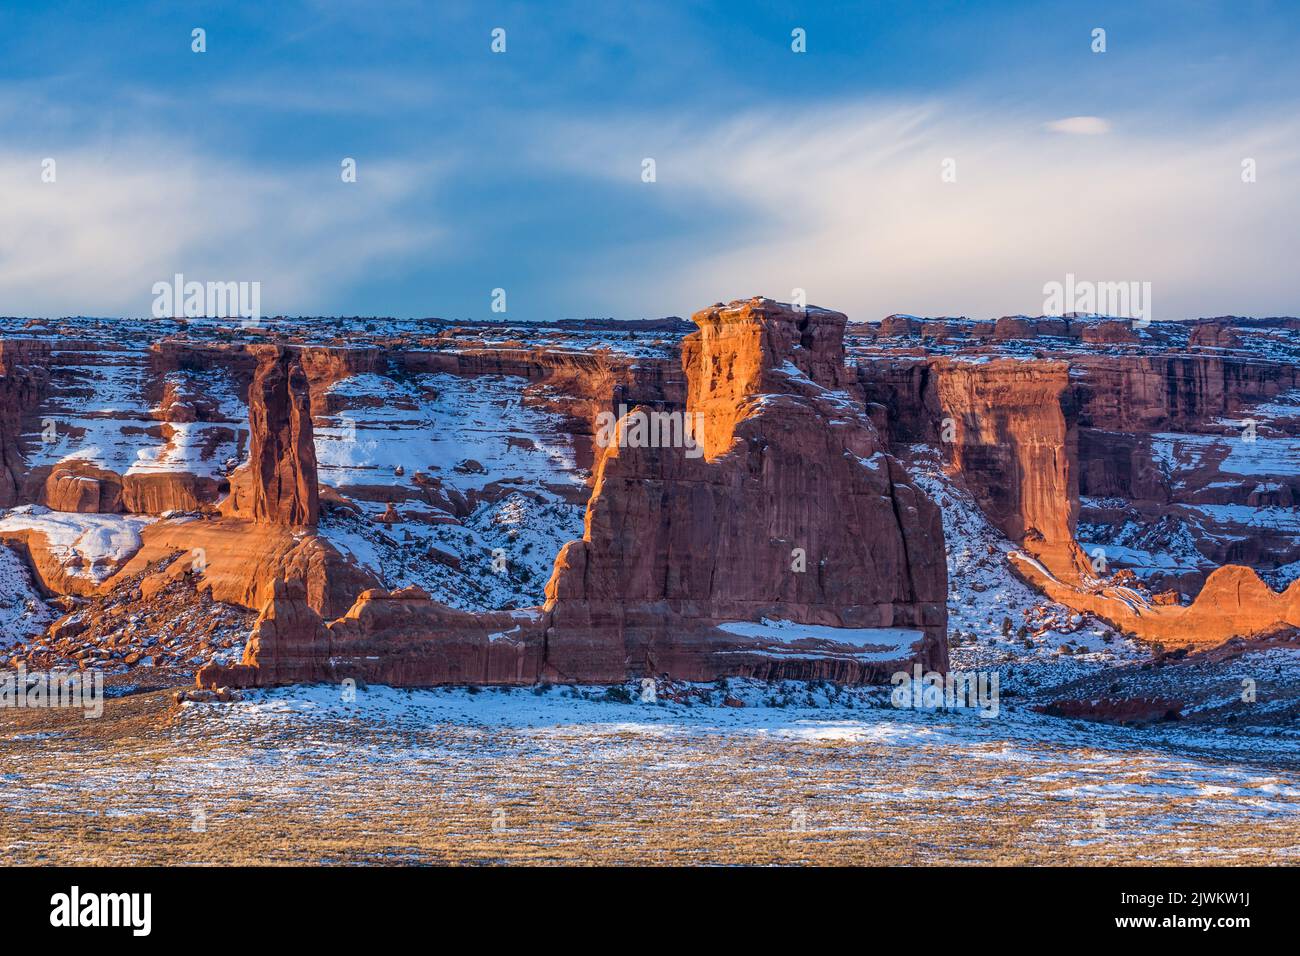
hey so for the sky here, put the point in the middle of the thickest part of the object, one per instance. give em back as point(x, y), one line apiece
point(919, 157)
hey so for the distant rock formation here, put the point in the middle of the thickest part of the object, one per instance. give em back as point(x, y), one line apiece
point(1013, 442)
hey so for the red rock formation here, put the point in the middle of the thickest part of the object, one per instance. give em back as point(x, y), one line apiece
point(235, 559)
point(400, 638)
point(1110, 332)
point(79, 486)
point(1171, 392)
point(279, 485)
point(1015, 446)
point(1011, 327)
point(24, 373)
point(1214, 335)
point(289, 643)
point(900, 325)
point(1234, 602)
point(792, 513)
point(675, 544)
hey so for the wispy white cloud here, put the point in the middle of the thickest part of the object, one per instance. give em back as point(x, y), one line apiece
point(850, 203)
point(120, 217)
point(1079, 126)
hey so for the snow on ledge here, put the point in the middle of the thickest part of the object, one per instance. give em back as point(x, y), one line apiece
point(102, 542)
point(896, 641)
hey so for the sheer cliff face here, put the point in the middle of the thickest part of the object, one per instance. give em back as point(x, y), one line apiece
point(1016, 448)
point(23, 373)
point(282, 453)
point(794, 512)
point(740, 348)
point(1183, 469)
point(1173, 392)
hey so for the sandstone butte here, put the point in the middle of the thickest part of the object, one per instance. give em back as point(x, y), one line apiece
point(1020, 411)
point(800, 510)
point(794, 514)
point(1013, 435)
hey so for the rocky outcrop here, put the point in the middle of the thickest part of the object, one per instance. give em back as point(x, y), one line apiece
point(24, 372)
point(793, 513)
point(289, 643)
point(235, 558)
point(78, 486)
point(400, 638)
point(1110, 332)
point(1014, 443)
point(278, 485)
point(1234, 602)
point(1214, 335)
point(788, 545)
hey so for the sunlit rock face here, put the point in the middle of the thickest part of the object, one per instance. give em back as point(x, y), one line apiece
point(477, 502)
point(774, 538)
point(795, 513)
point(1148, 473)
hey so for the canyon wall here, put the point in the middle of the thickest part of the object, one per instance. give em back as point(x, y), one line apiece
point(1014, 442)
point(1177, 448)
point(791, 546)
point(24, 372)
point(280, 487)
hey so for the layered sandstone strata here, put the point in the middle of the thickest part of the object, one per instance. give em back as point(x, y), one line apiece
point(1014, 443)
point(278, 485)
point(793, 476)
point(793, 546)
point(24, 371)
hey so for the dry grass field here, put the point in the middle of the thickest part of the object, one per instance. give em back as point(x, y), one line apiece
point(300, 776)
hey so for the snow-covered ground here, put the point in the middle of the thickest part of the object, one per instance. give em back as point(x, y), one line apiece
point(464, 431)
point(1161, 546)
point(800, 710)
point(800, 773)
point(995, 620)
point(98, 412)
point(505, 549)
point(23, 614)
point(206, 449)
point(1176, 453)
point(464, 434)
point(87, 545)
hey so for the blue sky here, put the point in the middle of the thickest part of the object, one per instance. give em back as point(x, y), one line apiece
point(775, 170)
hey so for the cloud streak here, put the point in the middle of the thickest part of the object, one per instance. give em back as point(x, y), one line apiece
point(118, 219)
point(849, 203)
point(1080, 126)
